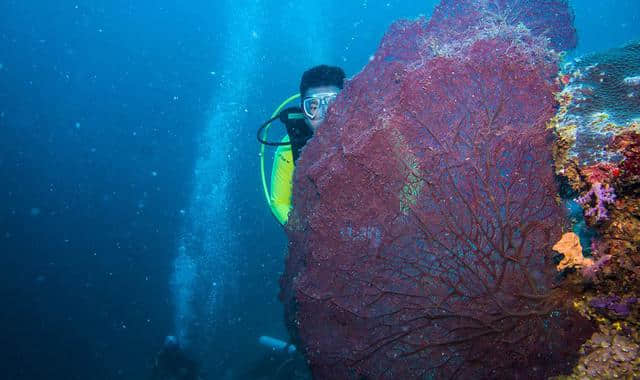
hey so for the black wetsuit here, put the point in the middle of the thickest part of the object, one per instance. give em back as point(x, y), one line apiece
point(299, 132)
point(174, 364)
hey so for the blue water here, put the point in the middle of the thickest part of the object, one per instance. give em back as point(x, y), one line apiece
point(130, 200)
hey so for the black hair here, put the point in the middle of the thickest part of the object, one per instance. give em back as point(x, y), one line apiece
point(322, 75)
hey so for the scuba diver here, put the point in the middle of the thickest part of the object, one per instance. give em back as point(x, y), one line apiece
point(319, 87)
point(172, 363)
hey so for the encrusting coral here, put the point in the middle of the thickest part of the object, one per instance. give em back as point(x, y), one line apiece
point(609, 354)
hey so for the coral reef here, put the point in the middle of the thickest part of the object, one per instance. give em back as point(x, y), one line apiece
point(597, 154)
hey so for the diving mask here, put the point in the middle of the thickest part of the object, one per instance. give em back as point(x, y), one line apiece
point(316, 105)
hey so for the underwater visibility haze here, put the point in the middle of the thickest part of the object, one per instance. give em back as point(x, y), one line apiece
point(468, 209)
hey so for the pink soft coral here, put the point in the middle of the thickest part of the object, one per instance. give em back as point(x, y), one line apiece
point(590, 272)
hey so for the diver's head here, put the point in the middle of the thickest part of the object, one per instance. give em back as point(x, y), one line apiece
point(171, 343)
point(318, 88)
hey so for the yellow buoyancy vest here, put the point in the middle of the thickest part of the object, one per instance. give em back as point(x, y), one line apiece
point(282, 182)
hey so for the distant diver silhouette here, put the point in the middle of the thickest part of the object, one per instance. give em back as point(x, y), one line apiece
point(173, 363)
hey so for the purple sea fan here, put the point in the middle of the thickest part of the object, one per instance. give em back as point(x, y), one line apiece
point(600, 195)
point(445, 169)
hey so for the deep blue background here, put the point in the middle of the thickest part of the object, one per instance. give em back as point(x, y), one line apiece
point(97, 256)
point(101, 104)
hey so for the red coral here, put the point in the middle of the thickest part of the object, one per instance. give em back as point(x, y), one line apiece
point(423, 221)
point(602, 172)
point(629, 145)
